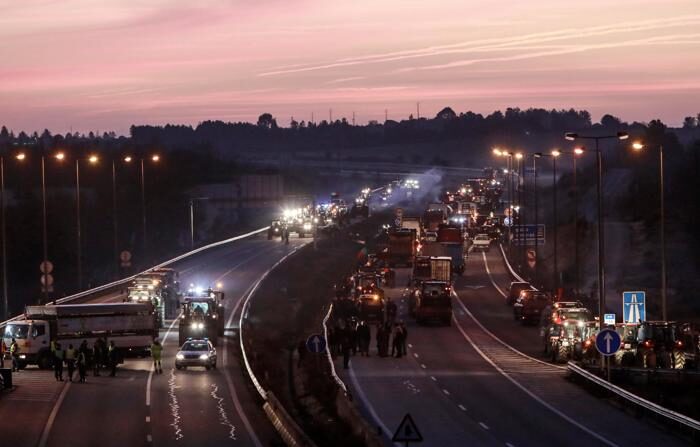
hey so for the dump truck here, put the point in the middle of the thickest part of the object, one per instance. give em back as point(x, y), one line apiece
point(402, 247)
point(132, 327)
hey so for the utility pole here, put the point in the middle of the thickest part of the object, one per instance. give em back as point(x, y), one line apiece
point(418, 110)
point(386, 115)
point(330, 116)
point(353, 118)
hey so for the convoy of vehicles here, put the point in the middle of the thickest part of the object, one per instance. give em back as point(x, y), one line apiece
point(131, 326)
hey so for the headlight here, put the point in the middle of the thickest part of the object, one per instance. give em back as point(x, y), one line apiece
point(203, 357)
point(23, 356)
point(200, 325)
point(307, 226)
point(180, 356)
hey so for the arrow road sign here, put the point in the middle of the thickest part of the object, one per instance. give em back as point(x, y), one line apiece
point(407, 431)
point(316, 343)
point(634, 307)
point(608, 342)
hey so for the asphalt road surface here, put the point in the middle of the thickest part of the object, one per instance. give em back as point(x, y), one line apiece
point(482, 381)
point(192, 407)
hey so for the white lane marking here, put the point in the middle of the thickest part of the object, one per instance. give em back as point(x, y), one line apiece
point(236, 401)
point(150, 372)
point(433, 378)
point(410, 345)
point(52, 417)
point(368, 404)
point(527, 391)
point(508, 444)
point(447, 393)
point(149, 438)
point(415, 355)
point(491, 334)
point(235, 267)
point(484, 426)
point(148, 419)
point(422, 365)
point(174, 406)
point(223, 417)
point(462, 407)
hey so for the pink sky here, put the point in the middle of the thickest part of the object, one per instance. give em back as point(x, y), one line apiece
point(103, 65)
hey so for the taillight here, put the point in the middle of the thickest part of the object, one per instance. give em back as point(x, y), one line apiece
point(679, 343)
point(587, 343)
point(648, 344)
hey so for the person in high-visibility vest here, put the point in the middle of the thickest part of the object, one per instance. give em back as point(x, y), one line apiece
point(14, 353)
point(156, 353)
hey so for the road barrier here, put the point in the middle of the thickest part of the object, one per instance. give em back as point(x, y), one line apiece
point(286, 427)
point(116, 284)
point(668, 416)
point(508, 266)
point(337, 379)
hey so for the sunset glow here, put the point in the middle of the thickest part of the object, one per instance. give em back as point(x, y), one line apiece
point(106, 65)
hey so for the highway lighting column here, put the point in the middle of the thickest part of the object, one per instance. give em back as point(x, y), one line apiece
point(115, 227)
point(44, 232)
point(601, 235)
point(577, 151)
point(78, 229)
point(534, 171)
point(555, 153)
point(143, 206)
point(5, 300)
point(662, 231)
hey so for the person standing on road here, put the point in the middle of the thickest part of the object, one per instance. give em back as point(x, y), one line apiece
point(113, 358)
point(70, 361)
point(82, 364)
point(396, 341)
point(58, 358)
point(3, 349)
point(404, 337)
point(364, 337)
point(14, 353)
point(156, 352)
point(96, 357)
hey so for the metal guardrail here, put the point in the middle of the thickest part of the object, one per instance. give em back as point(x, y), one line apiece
point(123, 281)
point(244, 313)
point(337, 379)
point(510, 269)
point(665, 413)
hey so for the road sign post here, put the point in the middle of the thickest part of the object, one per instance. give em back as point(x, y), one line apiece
point(634, 307)
point(316, 343)
point(407, 431)
point(607, 342)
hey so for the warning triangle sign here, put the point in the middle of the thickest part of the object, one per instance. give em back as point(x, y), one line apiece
point(407, 431)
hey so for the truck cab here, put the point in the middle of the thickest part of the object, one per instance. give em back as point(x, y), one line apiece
point(432, 301)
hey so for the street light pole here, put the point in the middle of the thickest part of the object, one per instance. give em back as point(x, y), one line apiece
point(555, 154)
point(576, 267)
point(143, 206)
point(44, 232)
point(77, 219)
point(5, 300)
point(601, 235)
point(537, 264)
point(663, 234)
point(115, 228)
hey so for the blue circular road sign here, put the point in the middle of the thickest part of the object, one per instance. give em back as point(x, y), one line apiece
point(608, 342)
point(316, 343)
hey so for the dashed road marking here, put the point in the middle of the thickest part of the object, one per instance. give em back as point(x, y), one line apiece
point(447, 393)
point(422, 365)
point(410, 345)
point(149, 438)
point(433, 378)
point(415, 354)
point(462, 407)
point(148, 419)
point(508, 444)
point(484, 426)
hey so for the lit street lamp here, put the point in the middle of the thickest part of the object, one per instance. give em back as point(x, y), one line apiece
point(155, 159)
point(601, 237)
point(638, 146)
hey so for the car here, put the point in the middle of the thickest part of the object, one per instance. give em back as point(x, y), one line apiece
point(514, 291)
point(196, 352)
point(481, 241)
point(530, 305)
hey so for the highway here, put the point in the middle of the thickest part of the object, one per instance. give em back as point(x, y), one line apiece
point(482, 381)
point(190, 407)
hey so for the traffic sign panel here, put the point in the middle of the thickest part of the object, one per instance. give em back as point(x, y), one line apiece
point(609, 319)
point(316, 343)
point(407, 431)
point(634, 307)
point(46, 267)
point(608, 342)
point(529, 234)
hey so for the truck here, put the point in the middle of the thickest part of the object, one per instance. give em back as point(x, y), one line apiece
point(432, 301)
point(132, 327)
point(202, 315)
point(454, 251)
point(402, 247)
point(433, 218)
point(431, 268)
point(411, 223)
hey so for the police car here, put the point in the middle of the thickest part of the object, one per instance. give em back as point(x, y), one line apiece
point(196, 352)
